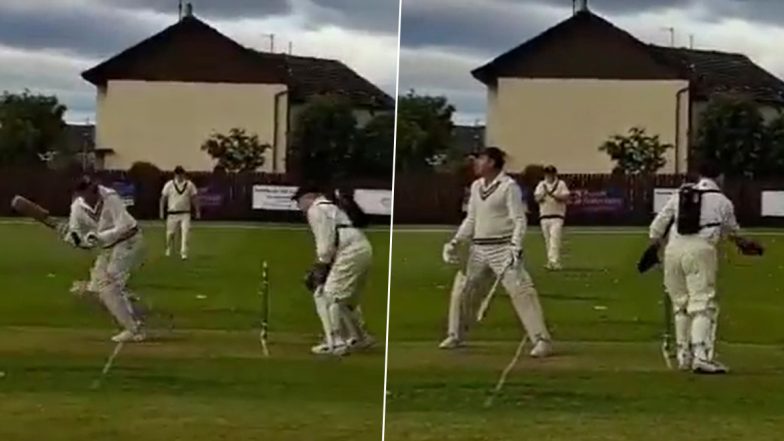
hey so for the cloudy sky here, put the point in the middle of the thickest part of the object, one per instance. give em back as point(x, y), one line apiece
point(443, 40)
point(46, 44)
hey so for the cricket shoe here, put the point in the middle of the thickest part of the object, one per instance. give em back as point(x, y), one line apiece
point(451, 342)
point(129, 337)
point(339, 348)
point(708, 367)
point(541, 349)
point(361, 344)
point(168, 253)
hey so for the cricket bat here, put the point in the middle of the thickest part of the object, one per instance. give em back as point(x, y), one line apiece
point(30, 209)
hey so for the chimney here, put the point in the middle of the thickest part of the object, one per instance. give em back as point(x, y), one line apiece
point(189, 10)
point(582, 5)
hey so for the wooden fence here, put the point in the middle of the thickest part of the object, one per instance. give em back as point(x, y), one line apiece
point(224, 196)
point(419, 199)
point(596, 199)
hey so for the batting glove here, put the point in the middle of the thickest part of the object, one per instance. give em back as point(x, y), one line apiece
point(449, 253)
point(516, 256)
point(91, 240)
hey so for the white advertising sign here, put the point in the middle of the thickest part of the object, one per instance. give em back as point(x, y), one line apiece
point(377, 202)
point(661, 196)
point(274, 197)
point(773, 203)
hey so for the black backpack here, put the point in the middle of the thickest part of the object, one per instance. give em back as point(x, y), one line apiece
point(690, 208)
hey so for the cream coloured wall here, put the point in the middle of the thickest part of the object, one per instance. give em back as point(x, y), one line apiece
point(563, 122)
point(165, 123)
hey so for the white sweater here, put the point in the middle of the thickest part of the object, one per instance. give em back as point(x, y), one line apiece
point(546, 194)
point(496, 214)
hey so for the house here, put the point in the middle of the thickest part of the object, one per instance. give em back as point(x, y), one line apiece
point(161, 99)
point(557, 97)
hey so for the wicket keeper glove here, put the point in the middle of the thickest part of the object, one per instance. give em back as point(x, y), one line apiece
point(749, 247)
point(449, 253)
point(649, 258)
point(317, 276)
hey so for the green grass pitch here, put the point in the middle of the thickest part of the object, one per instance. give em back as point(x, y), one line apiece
point(607, 381)
point(208, 380)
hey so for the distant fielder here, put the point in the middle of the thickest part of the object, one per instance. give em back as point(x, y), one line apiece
point(179, 198)
point(495, 226)
point(99, 219)
point(696, 218)
point(344, 257)
point(552, 194)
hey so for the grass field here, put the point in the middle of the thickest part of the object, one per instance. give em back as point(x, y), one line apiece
point(607, 381)
point(207, 381)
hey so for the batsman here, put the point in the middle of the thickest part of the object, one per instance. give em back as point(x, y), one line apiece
point(99, 219)
point(695, 219)
point(495, 226)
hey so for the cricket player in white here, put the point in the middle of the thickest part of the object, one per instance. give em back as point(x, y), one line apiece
point(178, 200)
point(495, 226)
point(99, 219)
point(690, 266)
point(346, 254)
point(552, 194)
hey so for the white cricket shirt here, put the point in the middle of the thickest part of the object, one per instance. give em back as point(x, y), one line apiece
point(716, 209)
point(109, 219)
point(550, 207)
point(178, 196)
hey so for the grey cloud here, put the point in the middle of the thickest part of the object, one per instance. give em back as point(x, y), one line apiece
point(495, 26)
point(379, 16)
point(224, 9)
point(624, 6)
point(436, 72)
point(768, 11)
point(52, 75)
point(96, 32)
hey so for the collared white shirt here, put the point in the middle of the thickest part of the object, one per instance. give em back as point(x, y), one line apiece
point(178, 195)
point(495, 210)
point(716, 208)
point(325, 217)
point(550, 206)
point(109, 219)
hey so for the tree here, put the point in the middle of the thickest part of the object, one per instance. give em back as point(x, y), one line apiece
point(236, 152)
point(31, 128)
point(732, 132)
point(775, 138)
point(323, 138)
point(373, 149)
point(424, 131)
point(637, 152)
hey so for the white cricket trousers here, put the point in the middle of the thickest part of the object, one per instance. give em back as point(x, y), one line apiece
point(690, 266)
point(552, 229)
point(484, 260)
point(181, 223)
point(337, 301)
point(109, 278)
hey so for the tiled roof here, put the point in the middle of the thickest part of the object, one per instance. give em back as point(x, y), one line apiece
point(709, 72)
point(193, 51)
point(719, 72)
